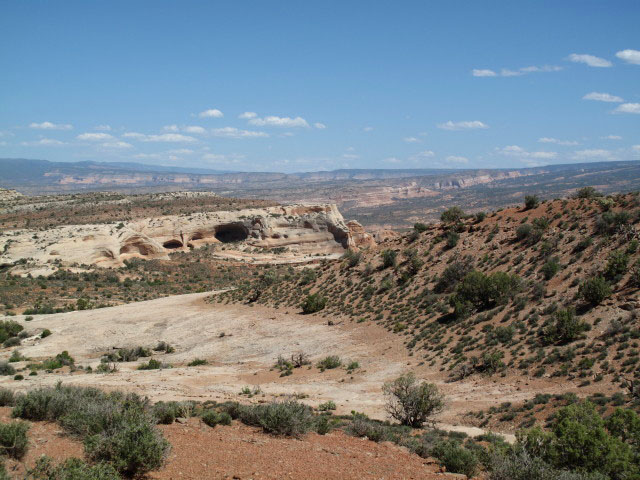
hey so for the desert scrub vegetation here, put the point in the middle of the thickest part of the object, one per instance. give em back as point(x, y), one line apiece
point(138, 279)
point(313, 303)
point(116, 428)
point(71, 469)
point(495, 293)
point(411, 402)
point(13, 439)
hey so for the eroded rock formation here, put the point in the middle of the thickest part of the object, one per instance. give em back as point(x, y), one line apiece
point(303, 230)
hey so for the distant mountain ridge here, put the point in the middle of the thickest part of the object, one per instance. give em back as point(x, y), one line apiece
point(17, 172)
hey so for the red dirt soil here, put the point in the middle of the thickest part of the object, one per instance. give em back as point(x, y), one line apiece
point(199, 452)
point(239, 452)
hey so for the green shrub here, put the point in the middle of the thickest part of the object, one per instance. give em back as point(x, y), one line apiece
point(480, 292)
point(565, 329)
point(455, 457)
point(197, 362)
point(116, 427)
point(389, 258)
point(410, 402)
point(213, 418)
point(352, 258)
point(587, 192)
point(6, 397)
point(8, 329)
point(11, 342)
point(166, 412)
point(594, 290)
point(6, 368)
point(453, 274)
point(531, 201)
point(452, 239)
point(132, 354)
point(152, 364)
point(617, 266)
point(313, 303)
point(582, 443)
point(13, 439)
point(523, 466)
point(550, 268)
point(289, 418)
point(420, 227)
point(327, 406)
point(131, 444)
point(330, 362)
point(452, 215)
point(71, 469)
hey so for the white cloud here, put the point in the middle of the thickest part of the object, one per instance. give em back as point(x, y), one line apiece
point(517, 151)
point(411, 139)
point(104, 128)
point(483, 72)
point(232, 132)
point(211, 113)
point(194, 129)
point(350, 156)
point(628, 108)
point(116, 144)
point(602, 97)
point(629, 56)
point(592, 153)
point(46, 142)
point(392, 160)
point(275, 121)
point(507, 72)
point(367, 129)
point(425, 154)
point(636, 148)
point(466, 125)
point(171, 128)
point(557, 142)
point(320, 126)
point(50, 126)
point(612, 137)
point(590, 60)
point(247, 115)
point(165, 137)
point(181, 151)
point(94, 137)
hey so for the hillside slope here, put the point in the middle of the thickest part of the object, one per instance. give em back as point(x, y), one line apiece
point(547, 291)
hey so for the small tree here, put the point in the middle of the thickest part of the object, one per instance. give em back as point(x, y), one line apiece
point(594, 290)
point(452, 215)
point(410, 402)
point(313, 303)
point(389, 258)
point(565, 329)
point(531, 201)
point(452, 239)
point(617, 265)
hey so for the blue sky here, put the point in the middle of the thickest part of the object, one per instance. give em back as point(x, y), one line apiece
point(302, 86)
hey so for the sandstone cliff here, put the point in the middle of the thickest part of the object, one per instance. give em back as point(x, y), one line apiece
point(297, 230)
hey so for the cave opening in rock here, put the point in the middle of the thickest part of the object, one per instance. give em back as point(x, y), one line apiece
point(172, 244)
point(231, 233)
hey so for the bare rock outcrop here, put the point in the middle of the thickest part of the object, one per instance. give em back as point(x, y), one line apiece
point(301, 230)
point(359, 236)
